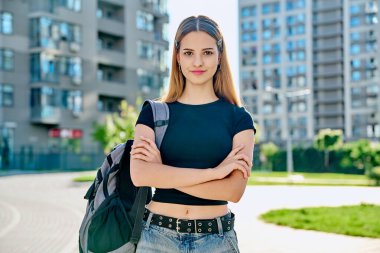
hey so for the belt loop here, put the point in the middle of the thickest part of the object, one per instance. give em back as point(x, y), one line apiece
point(195, 223)
point(148, 220)
point(220, 227)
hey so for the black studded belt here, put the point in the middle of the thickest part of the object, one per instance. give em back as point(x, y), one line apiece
point(226, 223)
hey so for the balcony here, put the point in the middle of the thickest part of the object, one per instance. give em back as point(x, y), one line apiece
point(111, 26)
point(328, 86)
point(327, 6)
point(160, 11)
point(328, 72)
point(114, 2)
point(327, 20)
point(329, 113)
point(327, 33)
point(328, 99)
point(327, 46)
point(48, 115)
point(114, 57)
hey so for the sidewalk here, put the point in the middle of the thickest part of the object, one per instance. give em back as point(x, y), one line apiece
point(42, 213)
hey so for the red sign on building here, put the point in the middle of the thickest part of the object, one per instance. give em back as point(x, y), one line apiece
point(65, 133)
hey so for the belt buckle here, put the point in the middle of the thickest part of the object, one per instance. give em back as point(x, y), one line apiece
point(177, 223)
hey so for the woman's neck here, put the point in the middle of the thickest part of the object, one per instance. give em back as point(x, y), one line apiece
point(198, 94)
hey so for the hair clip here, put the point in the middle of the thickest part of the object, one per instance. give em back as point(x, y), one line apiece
point(220, 44)
point(176, 44)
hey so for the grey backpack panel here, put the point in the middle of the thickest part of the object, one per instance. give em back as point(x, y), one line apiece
point(107, 221)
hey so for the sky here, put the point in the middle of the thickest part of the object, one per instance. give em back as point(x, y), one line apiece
point(216, 10)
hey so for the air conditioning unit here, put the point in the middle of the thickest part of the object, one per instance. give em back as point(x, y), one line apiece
point(74, 47)
point(76, 80)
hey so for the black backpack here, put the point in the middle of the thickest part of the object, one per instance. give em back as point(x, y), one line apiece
point(115, 209)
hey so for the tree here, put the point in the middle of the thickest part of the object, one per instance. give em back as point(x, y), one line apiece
point(327, 140)
point(118, 127)
point(267, 152)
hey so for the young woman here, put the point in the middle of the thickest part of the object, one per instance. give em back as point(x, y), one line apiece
point(206, 154)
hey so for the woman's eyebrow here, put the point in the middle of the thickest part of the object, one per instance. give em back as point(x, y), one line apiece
point(189, 49)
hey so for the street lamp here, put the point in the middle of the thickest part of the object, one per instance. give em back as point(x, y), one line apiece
point(286, 95)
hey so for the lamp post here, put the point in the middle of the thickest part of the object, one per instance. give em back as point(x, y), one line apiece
point(285, 95)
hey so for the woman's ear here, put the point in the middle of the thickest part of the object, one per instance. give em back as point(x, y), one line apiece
point(178, 58)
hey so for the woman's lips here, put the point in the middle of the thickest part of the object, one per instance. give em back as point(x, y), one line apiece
point(198, 72)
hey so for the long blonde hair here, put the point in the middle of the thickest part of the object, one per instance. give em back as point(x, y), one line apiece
point(222, 80)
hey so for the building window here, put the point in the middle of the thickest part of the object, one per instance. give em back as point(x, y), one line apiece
point(355, 21)
point(355, 49)
point(355, 36)
point(72, 100)
point(355, 76)
point(144, 21)
point(296, 76)
point(295, 4)
point(6, 23)
point(6, 95)
point(355, 9)
point(249, 11)
point(71, 66)
point(249, 56)
point(295, 24)
point(73, 5)
point(145, 50)
point(6, 59)
point(268, 8)
point(108, 103)
point(48, 67)
point(47, 33)
point(45, 96)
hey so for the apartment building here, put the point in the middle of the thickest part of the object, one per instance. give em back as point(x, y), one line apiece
point(329, 48)
point(65, 64)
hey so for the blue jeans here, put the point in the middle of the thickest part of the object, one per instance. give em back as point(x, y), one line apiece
point(155, 239)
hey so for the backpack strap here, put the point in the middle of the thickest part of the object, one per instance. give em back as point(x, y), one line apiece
point(161, 120)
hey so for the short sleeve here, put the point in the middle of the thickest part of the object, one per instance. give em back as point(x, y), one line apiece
point(146, 116)
point(243, 121)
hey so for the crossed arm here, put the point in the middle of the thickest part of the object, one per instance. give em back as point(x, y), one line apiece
point(229, 188)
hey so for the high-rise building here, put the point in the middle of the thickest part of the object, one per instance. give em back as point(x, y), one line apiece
point(329, 47)
point(65, 64)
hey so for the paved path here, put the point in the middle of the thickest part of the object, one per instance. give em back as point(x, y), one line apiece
point(42, 213)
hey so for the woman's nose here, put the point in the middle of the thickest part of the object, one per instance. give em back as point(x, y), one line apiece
point(198, 61)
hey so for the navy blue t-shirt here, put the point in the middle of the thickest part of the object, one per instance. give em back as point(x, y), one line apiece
point(198, 136)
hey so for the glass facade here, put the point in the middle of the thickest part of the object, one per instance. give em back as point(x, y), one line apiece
point(295, 24)
point(144, 21)
point(45, 67)
point(6, 95)
point(48, 33)
point(6, 59)
point(6, 22)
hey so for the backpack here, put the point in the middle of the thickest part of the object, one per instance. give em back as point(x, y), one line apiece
point(115, 207)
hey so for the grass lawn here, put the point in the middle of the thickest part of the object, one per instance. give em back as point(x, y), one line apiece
point(361, 220)
point(327, 179)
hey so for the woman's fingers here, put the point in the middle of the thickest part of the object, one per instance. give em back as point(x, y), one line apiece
point(241, 167)
point(140, 157)
point(141, 151)
point(245, 158)
point(246, 167)
point(147, 146)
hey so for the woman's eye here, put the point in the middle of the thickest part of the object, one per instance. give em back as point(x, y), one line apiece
point(187, 53)
point(208, 53)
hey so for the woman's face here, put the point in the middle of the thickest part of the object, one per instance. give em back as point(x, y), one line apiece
point(199, 57)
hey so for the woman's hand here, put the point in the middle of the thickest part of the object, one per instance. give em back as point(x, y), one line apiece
point(146, 150)
point(234, 161)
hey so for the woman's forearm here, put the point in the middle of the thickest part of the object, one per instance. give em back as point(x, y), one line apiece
point(230, 188)
point(163, 176)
